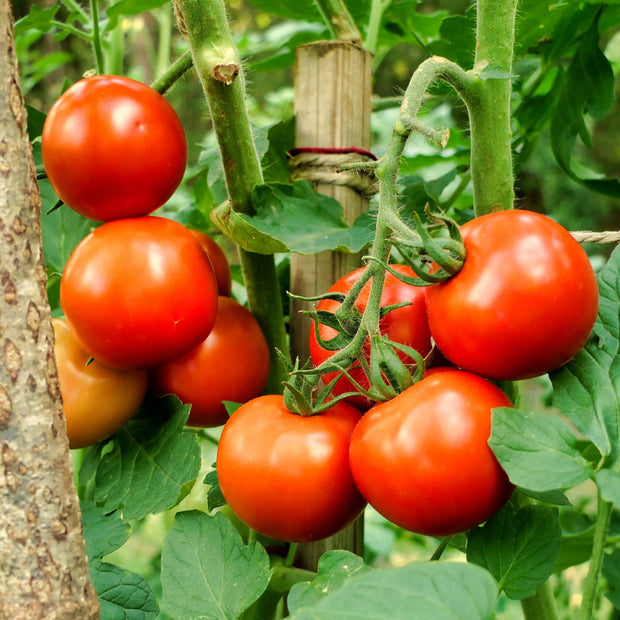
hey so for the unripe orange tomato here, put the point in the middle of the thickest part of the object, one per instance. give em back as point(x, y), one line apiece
point(97, 400)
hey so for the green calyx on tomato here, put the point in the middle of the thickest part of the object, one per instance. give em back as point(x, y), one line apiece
point(139, 292)
point(288, 476)
point(422, 459)
point(523, 304)
point(113, 148)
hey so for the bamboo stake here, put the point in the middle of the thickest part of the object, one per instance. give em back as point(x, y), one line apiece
point(332, 110)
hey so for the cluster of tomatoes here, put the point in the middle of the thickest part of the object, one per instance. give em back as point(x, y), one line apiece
point(146, 300)
point(523, 304)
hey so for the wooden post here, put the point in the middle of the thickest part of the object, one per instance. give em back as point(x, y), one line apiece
point(333, 85)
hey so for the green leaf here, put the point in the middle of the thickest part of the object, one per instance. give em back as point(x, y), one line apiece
point(37, 19)
point(495, 73)
point(575, 549)
point(294, 218)
point(420, 590)
point(458, 41)
point(538, 451)
point(151, 460)
point(103, 533)
point(588, 88)
point(207, 571)
point(36, 120)
point(215, 497)
point(130, 7)
point(300, 9)
point(586, 389)
point(611, 572)
point(123, 595)
point(608, 482)
point(334, 569)
point(518, 548)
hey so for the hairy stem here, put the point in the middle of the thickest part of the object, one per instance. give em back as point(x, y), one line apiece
point(540, 606)
point(338, 20)
point(218, 65)
point(590, 586)
point(178, 68)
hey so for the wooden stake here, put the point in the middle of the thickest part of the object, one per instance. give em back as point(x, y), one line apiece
point(333, 85)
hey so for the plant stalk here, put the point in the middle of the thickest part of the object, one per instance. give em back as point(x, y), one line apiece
point(540, 606)
point(590, 586)
point(338, 20)
point(489, 117)
point(217, 61)
point(96, 38)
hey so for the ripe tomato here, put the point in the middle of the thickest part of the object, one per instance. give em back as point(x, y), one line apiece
point(96, 400)
point(287, 476)
point(231, 364)
point(219, 262)
point(407, 325)
point(139, 292)
point(524, 302)
point(113, 148)
point(422, 459)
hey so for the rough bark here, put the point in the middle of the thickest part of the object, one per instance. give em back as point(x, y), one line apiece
point(43, 568)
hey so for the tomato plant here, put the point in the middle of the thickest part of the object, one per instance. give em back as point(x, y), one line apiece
point(219, 262)
point(422, 459)
point(287, 476)
point(231, 364)
point(524, 302)
point(113, 147)
point(407, 325)
point(139, 292)
point(96, 399)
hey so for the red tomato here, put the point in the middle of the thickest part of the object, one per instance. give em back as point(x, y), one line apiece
point(524, 302)
point(219, 262)
point(231, 364)
point(422, 459)
point(113, 148)
point(407, 325)
point(96, 400)
point(139, 292)
point(287, 476)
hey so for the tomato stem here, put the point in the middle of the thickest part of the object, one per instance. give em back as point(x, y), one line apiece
point(96, 38)
point(441, 547)
point(178, 68)
point(590, 587)
point(338, 20)
point(219, 68)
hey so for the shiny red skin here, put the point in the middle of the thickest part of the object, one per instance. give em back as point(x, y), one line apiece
point(232, 364)
point(422, 459)
point(287, 476)
point(219, 262)
point(139, 292)
point(524, 302)
point(113, 147)
point(407, 325)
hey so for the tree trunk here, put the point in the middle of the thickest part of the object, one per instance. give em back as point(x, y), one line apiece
point(43, 568)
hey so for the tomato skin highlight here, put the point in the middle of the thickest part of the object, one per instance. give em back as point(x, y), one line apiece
point(219, 262)
point(231, 364)
point(287, 476)
point(139, 292)
point(523, 304)
point(97, 400)
point(407, 325)
point(422, 459)
point(113, 147)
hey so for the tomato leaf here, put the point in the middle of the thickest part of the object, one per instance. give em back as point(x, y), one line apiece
point(538, 451)
point(103, 533)
point(428, 590)
point(293, 218)
point(608, 481)
point(586, 389)
point(122, 594)
point(207, 571)
point(334, 568)
point(611, 572)
point(150, 461)
point(518, 548)
point(215, 497)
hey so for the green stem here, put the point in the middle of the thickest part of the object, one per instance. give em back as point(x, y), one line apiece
point(338, 20)
point(219, 68)
point(178, 68)
point(374, 23)
point(164, 20)
point(489, 117)
point(441, 547)
point(116, 51)
point(74, 7)
point(590, 586)
point(540, 606)
point(96, 38)
point(76, 32)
